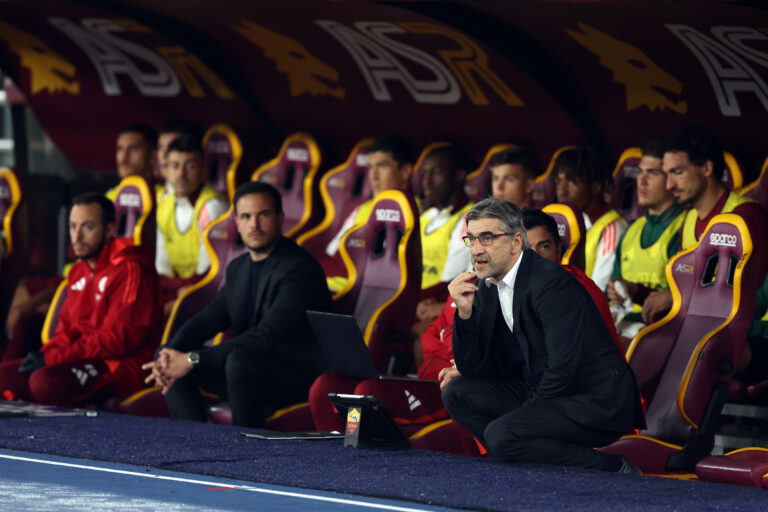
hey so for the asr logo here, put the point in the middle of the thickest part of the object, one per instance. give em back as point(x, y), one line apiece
point(306, 73)
point(48, 70)
point(634, 69)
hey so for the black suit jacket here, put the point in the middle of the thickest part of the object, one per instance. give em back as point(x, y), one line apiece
point(568, 350)
point(291, 282)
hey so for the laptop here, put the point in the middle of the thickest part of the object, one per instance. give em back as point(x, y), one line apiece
point(344, 347)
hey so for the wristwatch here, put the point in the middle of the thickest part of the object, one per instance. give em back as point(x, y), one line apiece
point(193, 358)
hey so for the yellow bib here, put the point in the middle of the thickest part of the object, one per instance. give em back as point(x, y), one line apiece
point(689, 224)
point(646, 266)
point(434, 247)
point(183, 248)
point(593, 238)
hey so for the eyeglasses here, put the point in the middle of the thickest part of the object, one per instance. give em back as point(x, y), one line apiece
point(484, 238)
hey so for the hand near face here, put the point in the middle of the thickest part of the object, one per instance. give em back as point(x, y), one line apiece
point(462, 290)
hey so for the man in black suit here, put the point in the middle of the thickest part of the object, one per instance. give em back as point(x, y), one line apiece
point(273, 357)
point(542, 381)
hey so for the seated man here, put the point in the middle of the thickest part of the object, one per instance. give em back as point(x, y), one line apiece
point(135, 153)
point(170, 132)
point(514, 174)
point(648, 244)
point(108, 325)
point(694, 165)
point(580, 180)
point(390, 164)
point(181, 258)
point(442, 223)
point(273, 357)
point(542, 380)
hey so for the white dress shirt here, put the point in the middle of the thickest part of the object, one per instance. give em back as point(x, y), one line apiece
point(506, 288)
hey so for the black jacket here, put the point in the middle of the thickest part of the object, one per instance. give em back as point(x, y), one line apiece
point(291, 282)
point(568, 352)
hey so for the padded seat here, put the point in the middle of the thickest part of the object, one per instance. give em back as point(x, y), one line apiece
point(135, 211)
point(758, 189)
point(733, 176)
point(572, 231)
point(544, 187)
point(382, 254)
point(295, 173)
point(477, 184)
point(746, 466)
point(685, 361)
point(13, 237)
point(223, 157)
point(342, 189)
point(622, 193)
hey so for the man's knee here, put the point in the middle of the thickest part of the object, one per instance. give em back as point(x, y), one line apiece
point(454, 394)
point(46, 388)
point(240, 365)
point(500, 442)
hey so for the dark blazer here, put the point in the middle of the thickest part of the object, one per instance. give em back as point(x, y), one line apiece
point(569, 353)
point(291, 282)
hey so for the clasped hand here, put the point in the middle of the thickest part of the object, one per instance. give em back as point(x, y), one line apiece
point(169, 366)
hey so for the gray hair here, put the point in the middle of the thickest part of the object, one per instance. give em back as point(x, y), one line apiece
point(509, 215)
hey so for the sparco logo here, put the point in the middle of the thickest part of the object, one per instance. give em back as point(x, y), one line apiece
point(298, 155)
point(684, 268)
point(130, 200)
point(561, 229)
point(388, 215)
point(722, 239)
point(362, 160)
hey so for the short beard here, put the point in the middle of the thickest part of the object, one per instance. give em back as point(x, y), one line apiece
point(94, 253)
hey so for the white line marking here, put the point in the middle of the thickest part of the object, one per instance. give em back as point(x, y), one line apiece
point(218, 484)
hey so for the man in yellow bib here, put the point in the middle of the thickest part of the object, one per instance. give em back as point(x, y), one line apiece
point(181, 258)
point(694, 165)
point(170, 132)
point(135, 153)
point(649, 243)
point(580, 180)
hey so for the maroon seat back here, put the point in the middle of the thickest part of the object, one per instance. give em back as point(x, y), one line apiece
point(544, 187)
point(223, 158)
point(52, 316)
point(684, 362)
point(417, 175)
point(477, 185)
point(572, 231)
point(622, 193)
point(382, 254)
point(135, 211)
point(295, 173)
point(733, 176)
point(342, 189)
point(758, 189)
point(13, 236)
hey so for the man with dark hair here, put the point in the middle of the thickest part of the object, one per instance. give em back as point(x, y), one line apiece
point(390, 165)
point(181, 258)
point(514, 172)
point(135, 153)
point(108, 325)
point(694, 165)
point(648, 244)
point(170, 132)
point(542, 380)
point(580, 180)
point(273, 357)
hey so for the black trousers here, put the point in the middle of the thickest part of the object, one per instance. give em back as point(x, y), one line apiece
point(249, 381)
point(496, 413)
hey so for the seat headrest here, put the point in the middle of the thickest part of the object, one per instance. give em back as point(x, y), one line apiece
point(477, 184)
point(417, 174)
point(10, 198)
point(544, 187)
point(622, 193)
point(572, 232)
point(134, 204)
point(222, 154)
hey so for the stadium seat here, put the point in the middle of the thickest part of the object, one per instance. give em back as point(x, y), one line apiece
point(544, 188)
point(135, 211)
point(382, 254)
point(295, 172)
point(572, 231)
point(13, 237)
point(758, 189)
point(223, 157)
point(746, 466)
point(416, 176)
point(685, 361)
point(342, 189)
point(477, 184)
point(622, 193)
point(733, 177)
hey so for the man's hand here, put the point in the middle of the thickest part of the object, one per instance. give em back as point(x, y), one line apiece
point(169, 366)
point(462, 290)
point(612, 294)
point(656, 305)
point(33, 361)
point(446, 374)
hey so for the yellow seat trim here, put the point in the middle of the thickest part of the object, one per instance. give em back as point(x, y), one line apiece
point(237, 153)
point(15, 189)
point(573, 225)
point(429, 428)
